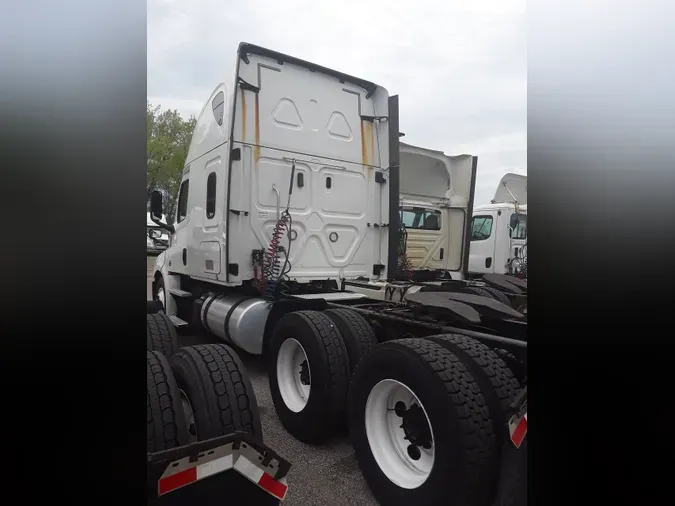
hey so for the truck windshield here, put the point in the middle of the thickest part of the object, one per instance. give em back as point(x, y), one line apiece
point(421, 218)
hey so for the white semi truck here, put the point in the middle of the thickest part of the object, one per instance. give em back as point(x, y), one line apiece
point(157, 238)
point(290, 193)
point(437, 194)
point(499, 230)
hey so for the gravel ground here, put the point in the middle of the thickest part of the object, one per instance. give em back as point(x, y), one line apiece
point(320, 475)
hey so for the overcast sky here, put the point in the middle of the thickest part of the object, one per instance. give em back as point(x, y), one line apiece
point(459, 67)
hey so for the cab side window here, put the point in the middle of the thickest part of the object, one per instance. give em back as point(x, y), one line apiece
point(421, 219)
point(181, 211)
point(211, 196)
point(518, 223)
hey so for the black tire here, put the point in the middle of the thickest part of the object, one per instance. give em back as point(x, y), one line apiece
point(329, 375)
point(161, 334)
point(512, 485)
point(518, 367)
point(465, 450)
point(498, 295)
point(219, 390)
point(356, 333)
point(153, 306)
point(166, 427)
point(495, 379)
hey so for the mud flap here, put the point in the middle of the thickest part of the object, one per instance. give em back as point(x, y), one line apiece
point(232, 469)
point(518, 422)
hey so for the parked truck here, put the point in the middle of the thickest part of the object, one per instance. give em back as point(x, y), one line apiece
point(499, 231)
point(433, 186)
point(157, 238)
point(437, 194)
point(289, 201)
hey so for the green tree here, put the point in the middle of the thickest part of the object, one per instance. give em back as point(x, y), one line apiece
point(169, 137)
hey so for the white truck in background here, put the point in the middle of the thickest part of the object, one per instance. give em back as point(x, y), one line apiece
point(437, 192)
point(157, 238)
point(499, 231)
point(290, 192)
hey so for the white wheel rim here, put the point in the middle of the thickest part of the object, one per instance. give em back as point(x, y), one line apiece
point(386, 437)
point(188, 413)
point(290, 375)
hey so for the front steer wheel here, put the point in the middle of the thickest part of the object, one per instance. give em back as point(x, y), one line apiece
point(420, 427)
point(308, 373)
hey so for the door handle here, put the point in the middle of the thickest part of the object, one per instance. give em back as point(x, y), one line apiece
point(441, 253)
point(488, 262)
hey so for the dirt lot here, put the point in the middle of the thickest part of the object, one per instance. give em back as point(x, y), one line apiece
point(326, 474)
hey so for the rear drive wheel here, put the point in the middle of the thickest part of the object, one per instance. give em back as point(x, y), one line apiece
point(308, 373)
point(356, 332)
point(216, 391)
point(495, 379)
point(420, 428)
point(165, 421)
point(161, 334)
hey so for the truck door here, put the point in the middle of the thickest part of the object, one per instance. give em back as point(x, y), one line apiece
point(483, 235)
point(178, 259)
point(518, 224)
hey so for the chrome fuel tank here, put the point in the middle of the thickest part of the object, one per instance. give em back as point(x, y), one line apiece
point(237, 319)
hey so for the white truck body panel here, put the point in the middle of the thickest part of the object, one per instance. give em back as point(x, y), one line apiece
point(275, 112)
point(430, 180)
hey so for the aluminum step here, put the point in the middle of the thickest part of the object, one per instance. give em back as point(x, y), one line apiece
point(331, 296)
point(177, 322)
point(179, 293)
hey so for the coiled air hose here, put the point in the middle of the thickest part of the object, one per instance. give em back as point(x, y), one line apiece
point(272, 271)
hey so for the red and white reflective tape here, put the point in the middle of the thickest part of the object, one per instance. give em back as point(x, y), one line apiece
point(518, 429)
point(199, 472)
point(277, 488)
